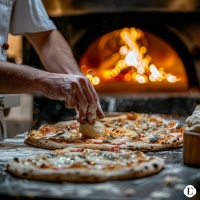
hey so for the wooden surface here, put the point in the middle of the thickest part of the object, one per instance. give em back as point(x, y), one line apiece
point(191, 153)
point(169, 183)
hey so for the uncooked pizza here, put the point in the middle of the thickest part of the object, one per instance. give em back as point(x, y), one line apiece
point(85, 165)
point(132, 131)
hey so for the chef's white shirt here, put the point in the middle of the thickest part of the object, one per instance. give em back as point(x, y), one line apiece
point(22, 16)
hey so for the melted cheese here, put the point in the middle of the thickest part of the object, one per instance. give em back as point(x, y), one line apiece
point(60, 133)
point(86, 159)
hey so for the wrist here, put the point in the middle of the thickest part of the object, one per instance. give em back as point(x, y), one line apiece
point(41, 80)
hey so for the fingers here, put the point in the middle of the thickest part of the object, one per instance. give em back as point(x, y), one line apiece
point(88, 101)
point(99, 110)
point(70, 100)
point(92, 99)
point(82, 104)
point(84, 98)
point(87, 106)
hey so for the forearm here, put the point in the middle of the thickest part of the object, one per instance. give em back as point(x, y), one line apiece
point(54, 52)
point(18, 78)
point(68, 82)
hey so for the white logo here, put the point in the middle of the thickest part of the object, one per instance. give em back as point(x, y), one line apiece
point(190, 191)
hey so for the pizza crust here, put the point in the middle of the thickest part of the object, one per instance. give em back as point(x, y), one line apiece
point(143, 146)
point(135, 132)
point(81, 175)
point(49, 144)
point(136, 165)
point(111, 118)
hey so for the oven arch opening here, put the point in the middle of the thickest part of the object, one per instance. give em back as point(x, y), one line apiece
point(162, 37)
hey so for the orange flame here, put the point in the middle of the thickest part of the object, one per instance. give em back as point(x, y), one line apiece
point(130, 63)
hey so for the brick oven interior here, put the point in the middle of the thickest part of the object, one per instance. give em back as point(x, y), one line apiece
point(81, 22)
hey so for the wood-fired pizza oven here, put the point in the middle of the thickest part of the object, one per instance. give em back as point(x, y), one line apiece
point(139, 55)
point(123, 48)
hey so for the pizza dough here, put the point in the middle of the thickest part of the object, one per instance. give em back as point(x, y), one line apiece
point(193, 123)
point(135, 131)
point(92, 131)
point(85, 165)
point(193, 120)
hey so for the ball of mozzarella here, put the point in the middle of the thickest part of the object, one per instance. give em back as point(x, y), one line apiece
point(92, 131)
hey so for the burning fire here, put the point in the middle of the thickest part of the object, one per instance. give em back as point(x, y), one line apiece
point(129, 61)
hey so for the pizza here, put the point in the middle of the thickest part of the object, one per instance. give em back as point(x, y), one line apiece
point(131, 131)
point(85, 165)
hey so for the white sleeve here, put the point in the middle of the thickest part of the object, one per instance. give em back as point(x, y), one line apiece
point(29, 16)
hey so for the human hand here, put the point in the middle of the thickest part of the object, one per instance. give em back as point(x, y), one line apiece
point(77, 92)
